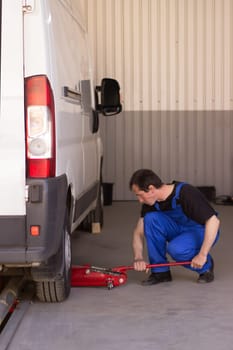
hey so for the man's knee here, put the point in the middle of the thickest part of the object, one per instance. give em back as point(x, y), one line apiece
point(176, 251)
point(181, 252)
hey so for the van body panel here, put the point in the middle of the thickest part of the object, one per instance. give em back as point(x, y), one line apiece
point(45, 209)
point(66, 63)
point(50, 150)
point(12, 237)
point(49, 39)
point(12, 128)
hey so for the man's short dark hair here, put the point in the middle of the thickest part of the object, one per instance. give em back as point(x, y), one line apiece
point(143, 178)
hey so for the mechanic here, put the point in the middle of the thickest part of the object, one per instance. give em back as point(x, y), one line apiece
point(177, 219)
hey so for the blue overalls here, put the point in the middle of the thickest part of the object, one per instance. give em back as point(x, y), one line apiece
point(174, 233)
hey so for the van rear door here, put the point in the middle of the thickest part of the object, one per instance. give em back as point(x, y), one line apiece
point(12, 129)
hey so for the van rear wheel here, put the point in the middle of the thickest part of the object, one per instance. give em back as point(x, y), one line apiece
point(58, 289)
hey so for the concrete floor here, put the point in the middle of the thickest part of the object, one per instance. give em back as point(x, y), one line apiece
point(181, 315)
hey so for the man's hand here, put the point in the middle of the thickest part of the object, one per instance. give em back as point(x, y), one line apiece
point(140, 265)
point(198, 261)
point(211, 231)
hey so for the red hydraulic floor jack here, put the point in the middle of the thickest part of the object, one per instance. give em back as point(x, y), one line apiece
point(92, 276)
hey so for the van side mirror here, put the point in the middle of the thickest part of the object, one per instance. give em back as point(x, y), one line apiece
point(109, 95)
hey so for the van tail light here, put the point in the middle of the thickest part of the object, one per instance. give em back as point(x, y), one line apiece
point(40, 127)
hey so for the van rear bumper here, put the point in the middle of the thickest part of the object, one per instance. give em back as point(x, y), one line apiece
point(45, 208)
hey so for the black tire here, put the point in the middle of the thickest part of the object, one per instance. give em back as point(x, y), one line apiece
point(58, 289)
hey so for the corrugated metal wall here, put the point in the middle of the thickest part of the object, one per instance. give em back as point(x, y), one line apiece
point(174, 62)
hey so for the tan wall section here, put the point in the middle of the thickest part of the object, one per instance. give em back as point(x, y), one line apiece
point(174, 62)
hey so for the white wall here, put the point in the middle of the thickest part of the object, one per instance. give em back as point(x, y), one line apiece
point(174, 62)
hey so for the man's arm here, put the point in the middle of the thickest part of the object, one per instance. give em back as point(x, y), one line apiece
point(211, 230)
point(138, 244)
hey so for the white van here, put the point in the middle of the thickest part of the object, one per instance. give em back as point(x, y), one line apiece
point(50, 150)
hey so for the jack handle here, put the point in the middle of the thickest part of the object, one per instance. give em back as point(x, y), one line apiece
point(148, 266)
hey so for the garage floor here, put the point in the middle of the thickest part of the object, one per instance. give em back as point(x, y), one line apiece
point(181, 315)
